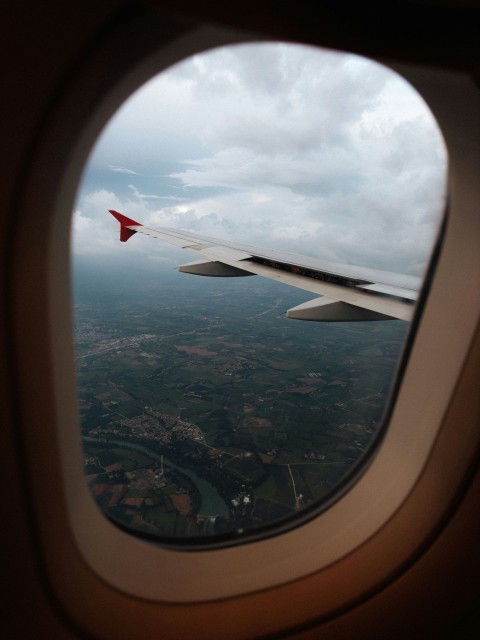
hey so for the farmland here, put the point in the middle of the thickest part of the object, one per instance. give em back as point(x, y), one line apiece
point(270, 413)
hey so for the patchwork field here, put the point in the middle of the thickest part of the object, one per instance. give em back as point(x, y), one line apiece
point(280, 410)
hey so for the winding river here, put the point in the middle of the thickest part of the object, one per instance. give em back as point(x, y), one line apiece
point(211, 502)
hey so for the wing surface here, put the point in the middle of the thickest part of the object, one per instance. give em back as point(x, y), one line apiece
point(348, 293)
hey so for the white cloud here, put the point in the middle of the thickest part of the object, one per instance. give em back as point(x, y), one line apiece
point(280, 146)
point(151, 196)
point(80, 223)
point(118, 169)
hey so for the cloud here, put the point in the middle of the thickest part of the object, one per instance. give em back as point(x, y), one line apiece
point(95, 233)
point(280, 146)
point(118, 169)
point(152, 196)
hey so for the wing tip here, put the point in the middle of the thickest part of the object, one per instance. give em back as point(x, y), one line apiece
point(125, 232)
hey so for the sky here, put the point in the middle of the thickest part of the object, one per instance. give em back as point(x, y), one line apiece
point(280, 146)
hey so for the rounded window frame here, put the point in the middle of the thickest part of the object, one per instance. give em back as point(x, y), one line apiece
point(155, 573)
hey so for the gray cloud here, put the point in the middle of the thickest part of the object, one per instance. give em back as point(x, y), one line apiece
point(282, 146)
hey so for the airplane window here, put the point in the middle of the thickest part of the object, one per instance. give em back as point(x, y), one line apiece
point(207, 415)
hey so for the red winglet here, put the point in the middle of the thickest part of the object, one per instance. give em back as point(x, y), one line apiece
point(125, 232)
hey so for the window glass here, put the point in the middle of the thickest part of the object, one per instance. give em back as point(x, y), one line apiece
point(206, 414)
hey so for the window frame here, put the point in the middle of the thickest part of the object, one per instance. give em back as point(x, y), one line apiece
point(41, 281)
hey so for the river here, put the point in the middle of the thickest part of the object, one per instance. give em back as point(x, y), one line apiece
point(211, 502)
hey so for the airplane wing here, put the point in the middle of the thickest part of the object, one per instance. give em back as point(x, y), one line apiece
point(347, 293)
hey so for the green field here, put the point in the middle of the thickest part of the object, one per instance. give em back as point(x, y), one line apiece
point(252, 382)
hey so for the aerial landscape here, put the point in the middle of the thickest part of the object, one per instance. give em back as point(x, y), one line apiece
point(205, 412)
